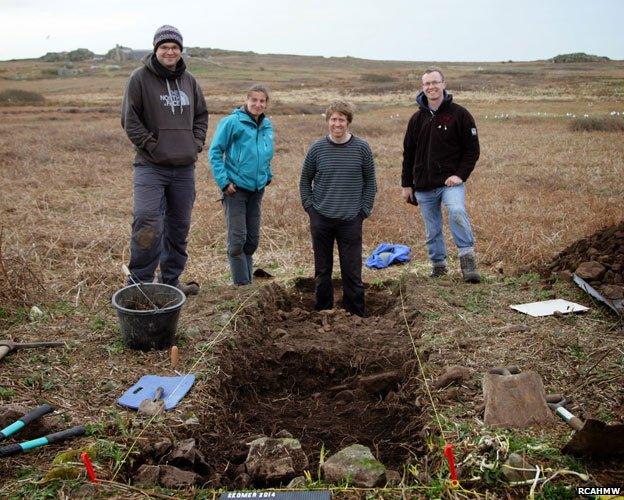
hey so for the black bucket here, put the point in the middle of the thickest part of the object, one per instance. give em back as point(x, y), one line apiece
point(142, 326)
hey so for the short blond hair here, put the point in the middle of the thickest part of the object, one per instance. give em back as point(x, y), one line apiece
point(342, 107)
point(435, 69)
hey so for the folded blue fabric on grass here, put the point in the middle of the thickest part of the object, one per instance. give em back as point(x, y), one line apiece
point(387, 254)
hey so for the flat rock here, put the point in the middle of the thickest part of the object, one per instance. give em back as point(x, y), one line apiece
point(516, 468)
point(591, 271)
point(393, 478)
point(454, 373)
point(298, 482)
point(186, 454)
point(355, 464)
point(183, 452)
point(613, 292)
point(146, 476)
point(162, 447)
point(275, 460)
point(172, 477)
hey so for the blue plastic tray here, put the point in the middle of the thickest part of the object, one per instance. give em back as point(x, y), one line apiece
point(175, 388)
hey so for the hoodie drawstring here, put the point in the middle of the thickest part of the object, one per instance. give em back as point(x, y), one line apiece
point(170, 97)
point(180, 96)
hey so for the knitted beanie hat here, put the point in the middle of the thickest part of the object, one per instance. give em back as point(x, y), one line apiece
point(166, 34)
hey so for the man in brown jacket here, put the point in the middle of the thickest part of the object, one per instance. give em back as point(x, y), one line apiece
point(164, 115)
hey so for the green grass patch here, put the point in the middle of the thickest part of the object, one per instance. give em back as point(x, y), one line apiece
point(6, 393)
point(597, 124)
point(17, 96)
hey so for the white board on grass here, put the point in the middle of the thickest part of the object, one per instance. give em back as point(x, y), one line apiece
point(549, 307)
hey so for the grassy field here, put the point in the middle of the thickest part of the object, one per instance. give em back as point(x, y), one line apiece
point(65, 171)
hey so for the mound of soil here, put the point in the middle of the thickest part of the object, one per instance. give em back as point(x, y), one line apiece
point(599, 259)
point(328, 378)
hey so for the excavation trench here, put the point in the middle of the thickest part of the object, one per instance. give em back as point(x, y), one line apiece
point(328, 378)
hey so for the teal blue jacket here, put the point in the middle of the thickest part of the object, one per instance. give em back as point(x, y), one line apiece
point(241, 152)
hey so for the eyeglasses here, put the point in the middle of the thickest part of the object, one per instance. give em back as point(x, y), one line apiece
point(169, 49)
point(434, 83)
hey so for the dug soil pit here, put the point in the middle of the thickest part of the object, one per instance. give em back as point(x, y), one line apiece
point(328, 378)
point(598, 259)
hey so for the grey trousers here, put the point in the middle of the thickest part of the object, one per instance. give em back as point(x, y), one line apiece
point(163, 201)
point(242, 217)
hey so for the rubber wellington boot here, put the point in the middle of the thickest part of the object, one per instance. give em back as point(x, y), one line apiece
point(468, 265)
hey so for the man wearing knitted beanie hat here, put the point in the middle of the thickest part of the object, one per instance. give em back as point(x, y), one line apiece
point(164, 115)
point(167, 33)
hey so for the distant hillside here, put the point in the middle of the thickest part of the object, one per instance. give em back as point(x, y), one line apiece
point(73, 56)
point(578, 57)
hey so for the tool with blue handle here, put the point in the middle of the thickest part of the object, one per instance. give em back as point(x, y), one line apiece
point(22, 422)
point(12, 449)
point(19, 424)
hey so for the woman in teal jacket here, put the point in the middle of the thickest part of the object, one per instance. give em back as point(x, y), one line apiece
point(240, 156)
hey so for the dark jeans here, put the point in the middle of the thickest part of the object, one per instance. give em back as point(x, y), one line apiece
point(348, 236)
point(242, 217)
point(163, 201)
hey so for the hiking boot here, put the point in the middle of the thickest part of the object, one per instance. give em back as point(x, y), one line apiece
point(190, 288)
point(468, 265)
point(437, 271)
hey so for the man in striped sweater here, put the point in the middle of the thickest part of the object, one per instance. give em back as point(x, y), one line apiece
point(337, 190)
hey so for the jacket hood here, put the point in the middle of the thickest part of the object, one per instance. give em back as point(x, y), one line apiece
point(242, 114)
point(421, 99)
point(151, 63)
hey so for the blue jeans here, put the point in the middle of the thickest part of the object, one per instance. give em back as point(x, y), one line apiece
point(453, 198)
point(163, 201)
point(242, 217)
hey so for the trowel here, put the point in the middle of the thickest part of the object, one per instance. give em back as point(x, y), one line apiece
point(153, 406)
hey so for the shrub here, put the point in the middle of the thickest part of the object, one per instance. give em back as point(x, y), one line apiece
point(604, 124)
point(21, 96)
point(80, 55)
point(377, 78)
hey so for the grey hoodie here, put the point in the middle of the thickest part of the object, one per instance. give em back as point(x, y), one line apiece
point(165, 118)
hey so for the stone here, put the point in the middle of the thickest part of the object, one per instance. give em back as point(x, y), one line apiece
point(379, 383)
point(590, 271)
point(186, 454)
point(146, 476)
point(345, 396)
point(613, 291)
point(183, 452)
point(298, 482)
point(356, 465)
point(521, 327)
point(172, 477)
point(454, 373)
point(516, 468)
point(283, 434)
point(160, 448)
point(275, 460)
point(393, 478)
point(242, 481)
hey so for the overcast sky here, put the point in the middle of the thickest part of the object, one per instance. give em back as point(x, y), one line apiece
point(442, 30)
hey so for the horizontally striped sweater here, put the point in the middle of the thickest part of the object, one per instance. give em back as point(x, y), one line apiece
point(338, 180)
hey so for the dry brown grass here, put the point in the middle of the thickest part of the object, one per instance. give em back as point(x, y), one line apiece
point(66, 193)
point(65, 206)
